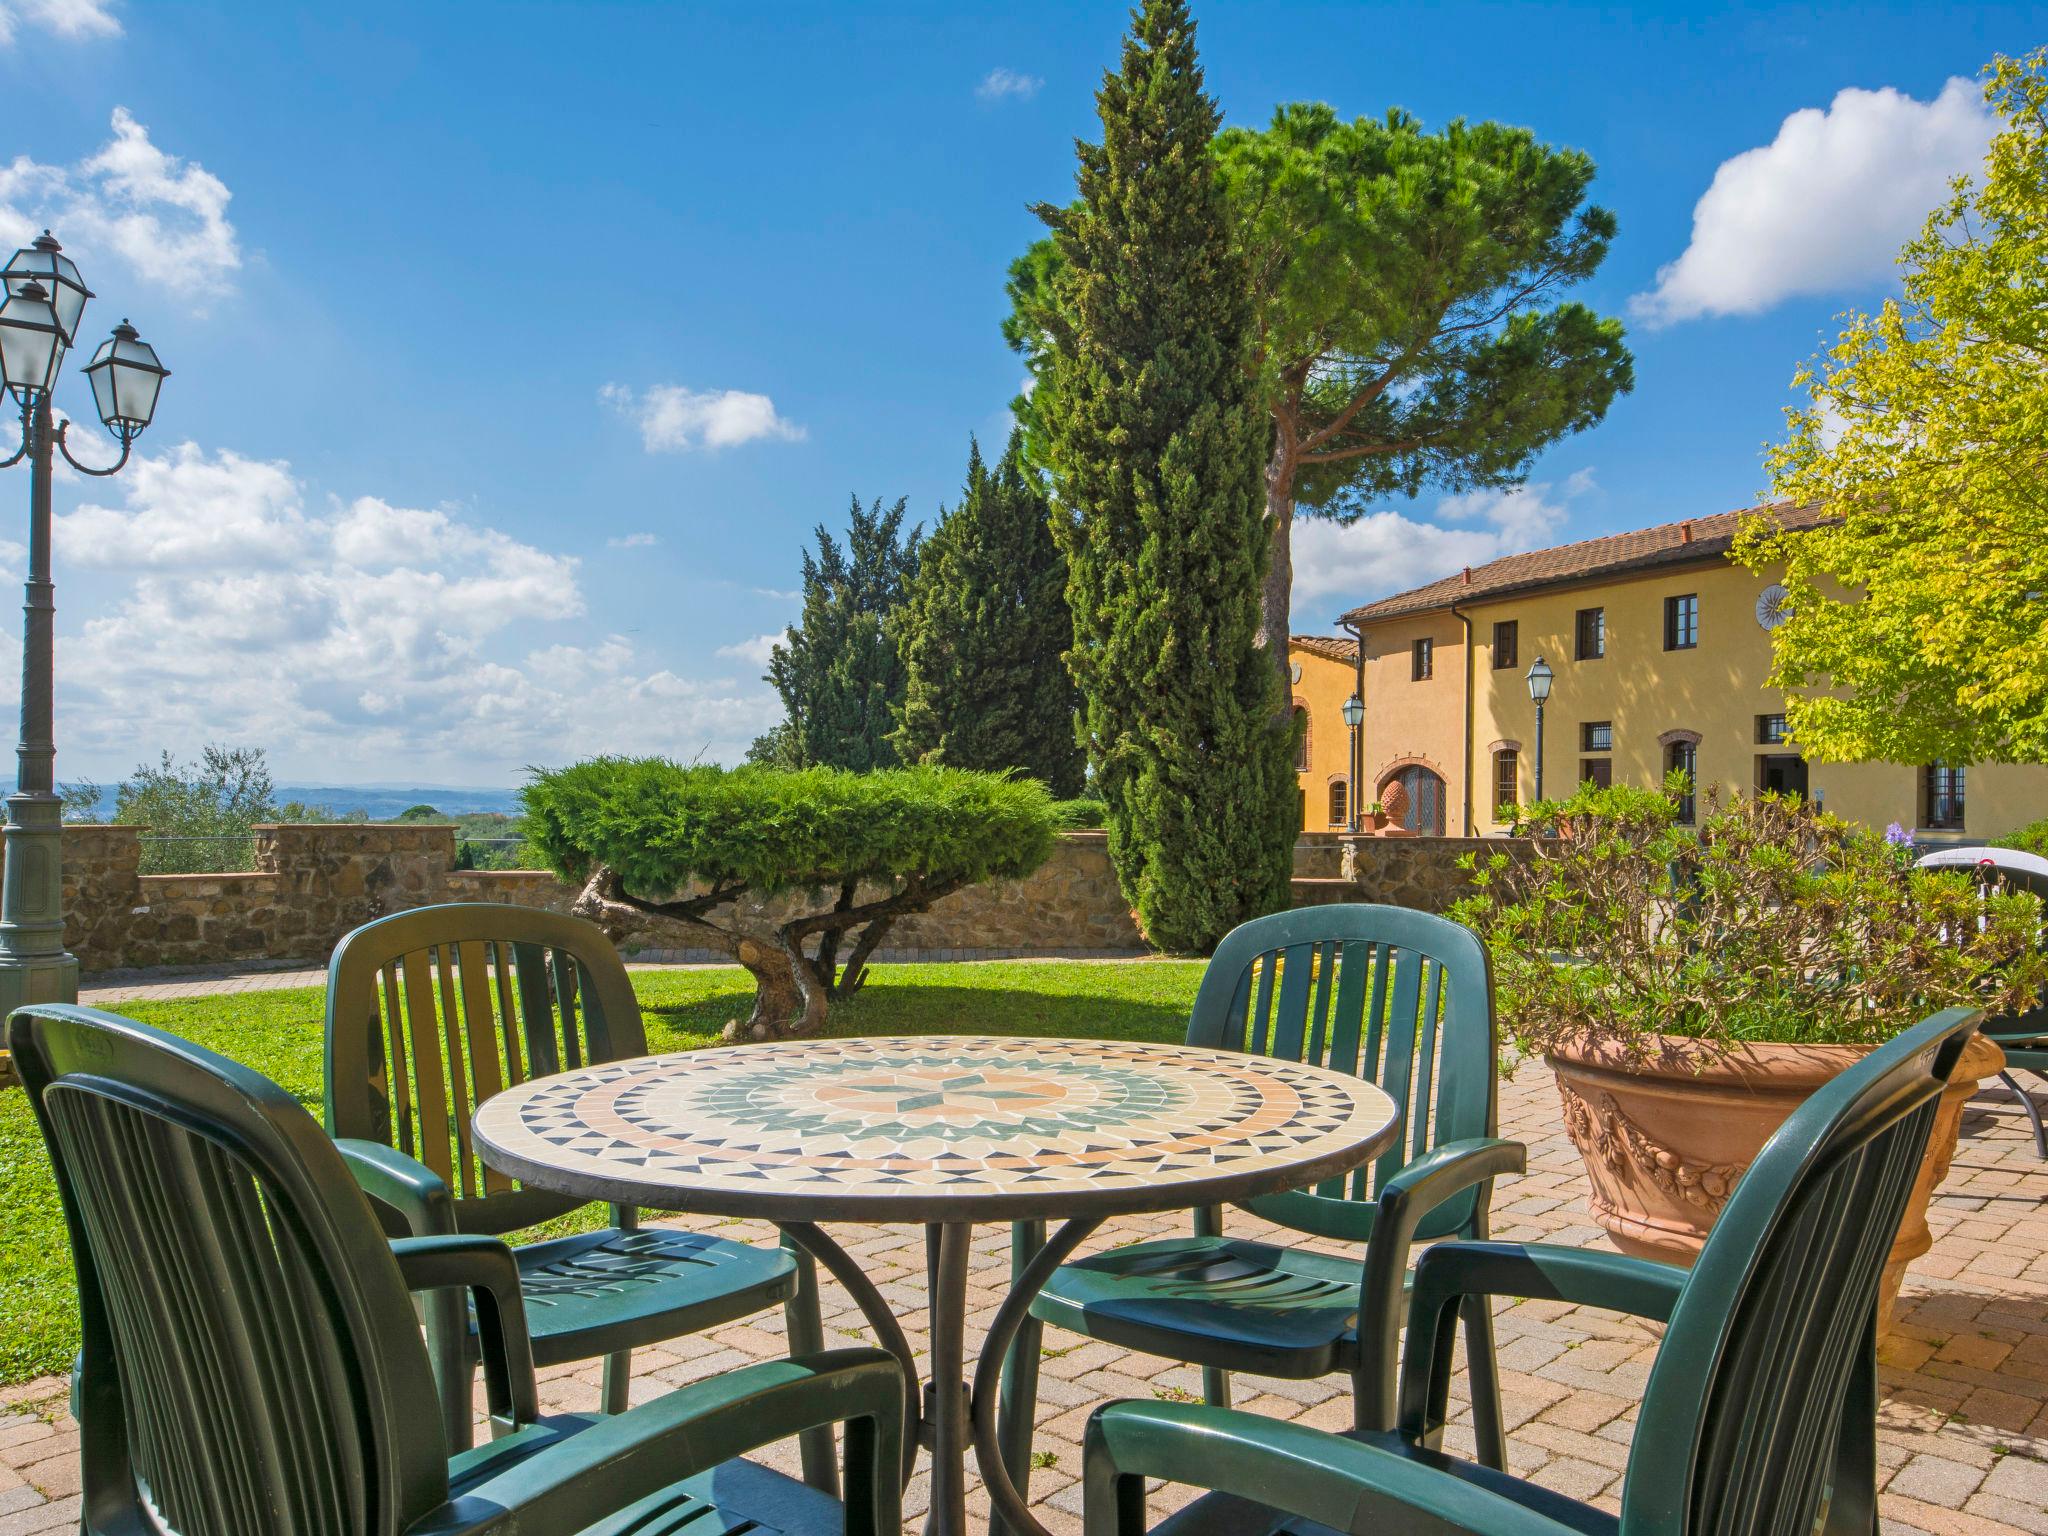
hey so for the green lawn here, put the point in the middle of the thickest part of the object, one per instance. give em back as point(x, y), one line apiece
point(278, 1033)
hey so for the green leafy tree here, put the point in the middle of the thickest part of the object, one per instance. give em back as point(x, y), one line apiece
point(837, 669)
point(782, 869)
point(206, 810)
point(81, 800)
point(1407, 330)
point(1919, 616)
point(983, 632)
point(1155, 433)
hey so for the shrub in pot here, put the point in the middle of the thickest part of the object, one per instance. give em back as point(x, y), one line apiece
point(1691, 986)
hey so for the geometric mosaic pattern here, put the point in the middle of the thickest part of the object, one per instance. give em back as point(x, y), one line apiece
point(887, 1128)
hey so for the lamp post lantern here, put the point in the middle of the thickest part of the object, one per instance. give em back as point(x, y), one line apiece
point(1539, 693)
point(38, 326)
point(1354, 716)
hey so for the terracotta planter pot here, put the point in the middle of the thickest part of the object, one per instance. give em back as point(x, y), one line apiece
point(1666, 1137)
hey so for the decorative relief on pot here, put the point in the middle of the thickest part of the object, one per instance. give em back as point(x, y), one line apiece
point(1602, 1131)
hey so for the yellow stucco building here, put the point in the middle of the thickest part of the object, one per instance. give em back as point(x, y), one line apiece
point(1659, 647)
point(1325, 673)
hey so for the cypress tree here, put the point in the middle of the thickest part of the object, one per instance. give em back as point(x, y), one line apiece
point(837, 668)
point(983, 634)
point(1156, 437)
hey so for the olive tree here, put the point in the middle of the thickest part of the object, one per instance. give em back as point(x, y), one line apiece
point(783, 869)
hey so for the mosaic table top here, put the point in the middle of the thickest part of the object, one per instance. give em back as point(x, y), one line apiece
point(934, 1128)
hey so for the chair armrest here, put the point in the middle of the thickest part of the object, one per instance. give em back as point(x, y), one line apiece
point(484, 1267)
point(403, 1185)
point(1402, 1203)
point(1449, 1272)
point(622, 1459)
point(1308, 1473)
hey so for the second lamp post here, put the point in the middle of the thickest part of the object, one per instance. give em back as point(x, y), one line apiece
point(1539, 692)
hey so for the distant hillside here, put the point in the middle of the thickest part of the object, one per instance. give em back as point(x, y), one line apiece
point(381, 802)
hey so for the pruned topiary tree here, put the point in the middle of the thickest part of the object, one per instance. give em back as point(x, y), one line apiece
point(782, 868)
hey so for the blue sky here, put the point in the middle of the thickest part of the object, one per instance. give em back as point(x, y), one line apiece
point(517, 348)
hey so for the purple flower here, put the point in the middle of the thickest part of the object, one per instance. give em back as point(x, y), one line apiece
point(1898, 836)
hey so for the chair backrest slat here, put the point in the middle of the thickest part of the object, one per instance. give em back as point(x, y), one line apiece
point(250, 1362)
point(1745, 1425)
point(1402, 998)
point(390, 1069)
point(430, 1074)
point(488, 996)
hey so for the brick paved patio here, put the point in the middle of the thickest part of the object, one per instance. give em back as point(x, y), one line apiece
point(1963, 1437)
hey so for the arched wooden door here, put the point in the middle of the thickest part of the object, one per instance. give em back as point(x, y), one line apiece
point(1414, 797)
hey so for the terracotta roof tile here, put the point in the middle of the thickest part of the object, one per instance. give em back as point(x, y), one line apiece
point(1330, 647)
point(1681, 543)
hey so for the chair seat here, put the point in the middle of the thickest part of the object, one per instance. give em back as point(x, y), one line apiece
point(596, 1292)
point(1216, 1301)
point(734, 1497)
point(1224, 1514)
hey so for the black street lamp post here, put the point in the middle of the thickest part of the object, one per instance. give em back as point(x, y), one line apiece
point(38, 325)
point(1539, 692)
point(1354, 716)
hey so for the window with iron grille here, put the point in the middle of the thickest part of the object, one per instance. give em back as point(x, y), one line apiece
point(1301, 739)
point(1770, 730)
point(1682, 622)
point(1340, 803)
point(1507, 776)
point(1683, 757)
point(1592, 634)
point(1424, 659)
point(1597, 771)
point(1944, 797)
point(1596, 736)
point(1506, 644)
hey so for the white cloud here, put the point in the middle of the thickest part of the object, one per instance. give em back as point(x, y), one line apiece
point(1823, 206)
point(673, 419)
point(1388, 551)
point(164, 217)
point(365, 637)
point(754, 652)
point(1008, 84)
point(73, 20)
point(634, 541)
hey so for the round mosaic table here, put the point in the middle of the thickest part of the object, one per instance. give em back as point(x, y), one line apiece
point(946, 1131)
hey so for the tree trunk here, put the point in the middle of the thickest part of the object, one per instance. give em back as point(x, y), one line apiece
point(778, 996)
point(1276, 595)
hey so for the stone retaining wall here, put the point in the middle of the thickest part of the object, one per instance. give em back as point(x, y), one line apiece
point(1419, 872)
point(312, 884)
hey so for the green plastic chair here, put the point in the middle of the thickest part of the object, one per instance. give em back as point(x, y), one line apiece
point(429, 1013)
point(2023, 1037)
point(1760, 1417)
point(251, 1366)
point(1400, 997)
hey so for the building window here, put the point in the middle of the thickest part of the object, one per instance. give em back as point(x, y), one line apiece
point(1944, 807)
point(1597, 771)
point(1596, 736)
point(1592, 634)
point(1770, 730)
point(1682, 622)
point(1683, 757)
point(1300, 739)
point(1424, 660)
point(1340, 803)
point(1506, 644)
point(1507, 781)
